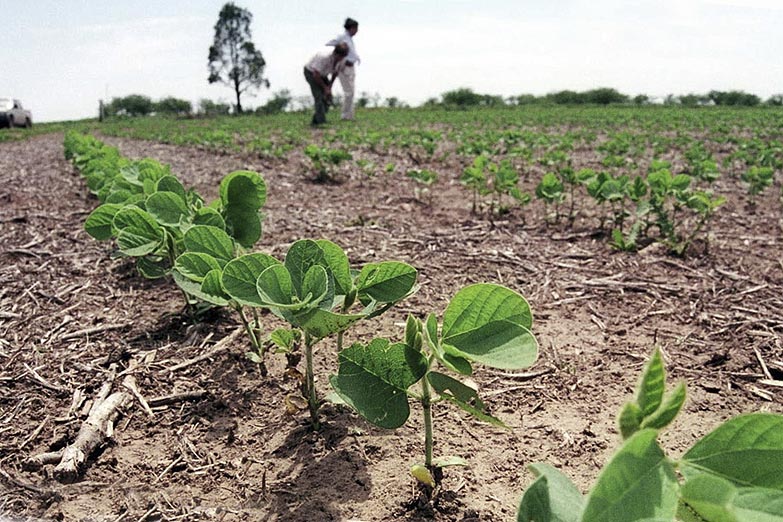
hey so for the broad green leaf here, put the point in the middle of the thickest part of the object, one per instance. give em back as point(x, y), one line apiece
point(209, 216)
point(138, 234)
point(152, 268)
point(243, 188)
point(718, 500)
point(244, 226)
point(462, 395)
point(630, 419)
point(476, 305)
point(317, 285)
point(241, 274)
point(451, 360)
point(196, 265)
point(211, 287)
point(99, 223)
point(167, 208)
point(193, 288)
point(275, 288)
point(667, 410)
point(387, 282)
point(212, 241)
point(242, 194)
point(499, 344)
point(637, 483)
point(748, 450)
point(120, 196)
point(338, 264)
point(285, 338)
point(301, 256)
point(170, 184)
point(551, 498)
point(651, 385)
point(322, 323)
point(374, 378)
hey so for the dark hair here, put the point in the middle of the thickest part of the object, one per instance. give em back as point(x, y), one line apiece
point(341, 49)
point(350, 22)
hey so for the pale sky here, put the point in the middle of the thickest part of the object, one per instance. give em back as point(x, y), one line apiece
point(61, 56)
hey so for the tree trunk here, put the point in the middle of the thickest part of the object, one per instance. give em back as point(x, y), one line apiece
point(239, 105)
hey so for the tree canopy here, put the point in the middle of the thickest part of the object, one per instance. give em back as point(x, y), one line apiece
point(233, 58)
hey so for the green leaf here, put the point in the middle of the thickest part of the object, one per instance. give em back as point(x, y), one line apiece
point(195, 265)
point(668, 409)
point(167, 208)
point(386, 282)
point(637, 483)
point(337, 262)
point(711, 497)
point(462, 395)
point(152, 268)
point(275, 288)
point(243, 188)
point(374, 378)
point(301, 256)
point(317, 285)
point(241, 274)
point(322, 323)
point(242, 194)
point(629, 420)
point(476, 305)
point(651, 386)
point(212, 241)
point(285, 338)
point(193, 288)
point(99, 223)
point(209, 216)
point(138, 233)
point(748, 450)
point(551, 498)
point(170, 184)
point(211, 287)
point(499, 344)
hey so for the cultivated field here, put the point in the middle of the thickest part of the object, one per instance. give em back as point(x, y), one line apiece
point(624, 229)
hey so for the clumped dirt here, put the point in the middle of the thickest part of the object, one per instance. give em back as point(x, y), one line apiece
point(69, 311)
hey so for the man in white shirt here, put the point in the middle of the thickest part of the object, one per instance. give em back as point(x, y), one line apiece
point(317, 72)
point(348, 76)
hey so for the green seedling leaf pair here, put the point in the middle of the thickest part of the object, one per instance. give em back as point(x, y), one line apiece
point(483, 324)
point(734, 474)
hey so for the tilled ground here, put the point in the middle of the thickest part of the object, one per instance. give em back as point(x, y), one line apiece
point(69, 312)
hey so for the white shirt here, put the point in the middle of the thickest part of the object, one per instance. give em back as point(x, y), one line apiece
point(324, 65)
point(346, 37)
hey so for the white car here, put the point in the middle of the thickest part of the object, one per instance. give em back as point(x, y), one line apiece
point(12, 114)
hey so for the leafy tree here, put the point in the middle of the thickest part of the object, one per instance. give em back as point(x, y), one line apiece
point(208, 107)
point(233, 58)
point(641, 99)
point(175, 106)
point(734, 98)
point(131, 105)
point(775, 100)
point(604, 96)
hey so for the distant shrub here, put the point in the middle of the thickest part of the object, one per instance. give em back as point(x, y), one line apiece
point(734, 98)
point(131, 105)
point(174, 106)
point(278, 103)
point(207, 107)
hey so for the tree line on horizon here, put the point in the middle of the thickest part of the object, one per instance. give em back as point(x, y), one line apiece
point(234, 61)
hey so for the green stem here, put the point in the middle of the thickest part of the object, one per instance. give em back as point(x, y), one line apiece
point(310, 393)
point(249, 330)
point(426, 404)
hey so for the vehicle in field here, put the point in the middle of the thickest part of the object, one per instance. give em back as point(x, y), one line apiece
point(12, 114)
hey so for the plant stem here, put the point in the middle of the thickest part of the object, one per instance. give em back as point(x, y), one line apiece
point(249, 330)
point(426, 404)
point(310, 393)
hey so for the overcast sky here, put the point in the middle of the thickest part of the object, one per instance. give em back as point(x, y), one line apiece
point(61, 56)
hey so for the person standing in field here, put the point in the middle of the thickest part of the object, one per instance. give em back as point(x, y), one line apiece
point(320, 73)
point(348, 76)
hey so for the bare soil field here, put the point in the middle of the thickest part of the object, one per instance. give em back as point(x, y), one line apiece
point(72, 316)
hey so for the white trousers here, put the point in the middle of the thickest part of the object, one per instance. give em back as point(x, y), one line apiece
point(347, 81)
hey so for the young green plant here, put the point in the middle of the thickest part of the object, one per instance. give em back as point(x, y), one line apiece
point(733, 474)
point(483, 324)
